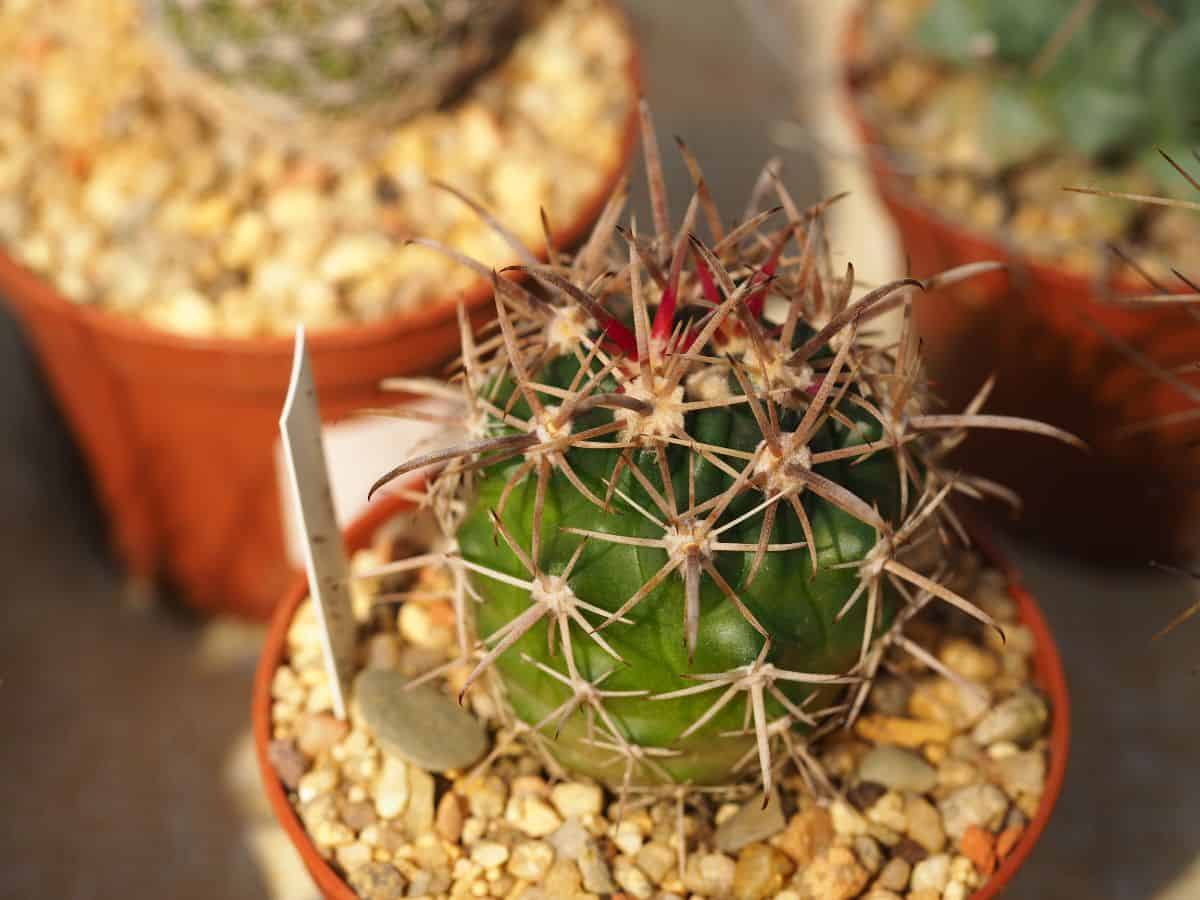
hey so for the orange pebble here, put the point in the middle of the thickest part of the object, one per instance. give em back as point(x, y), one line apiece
point(1008, 840)
point(979, 846)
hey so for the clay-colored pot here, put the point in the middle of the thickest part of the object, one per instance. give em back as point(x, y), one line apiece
point(1135, 496)
point(179, 433)
point(1047, 670)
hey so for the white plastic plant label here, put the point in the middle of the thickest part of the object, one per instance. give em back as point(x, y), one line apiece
point(312, 503)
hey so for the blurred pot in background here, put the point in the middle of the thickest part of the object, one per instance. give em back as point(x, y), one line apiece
point(178, 193)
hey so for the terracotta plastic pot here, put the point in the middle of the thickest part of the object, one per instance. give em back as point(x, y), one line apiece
point(1135, 496)
point(1047, 670)
point(179, 433)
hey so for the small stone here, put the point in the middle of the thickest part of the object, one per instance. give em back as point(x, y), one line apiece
point(570, 839)
point(577, 800)
point(315, 783)
point(378, 881)
point(532, 815)
point(485, 796)
point(910, 851)
point(632, 880)
point(924, 824)
point(956, 773)
point(332, 834)
point(979, 847)
point(898, 769)
point(895, 875)
point(955, 890)
point(969, 661)
point(808, 834)
point(869, 854)
point(1022, 773)
point(531, 860)
point(709, 874)
point(656, 860)
point(1003, 750)
point(421, 625)
point(754, 821)
point(865, 794)
point(760, 872)
point(449, 818)
point(357, 815)
point(627, 837)
point(1008, 839)
point(391, 788)
point(289, 763)
point(1019, 719)
point(318, 733)
point(889, 812)
point(420, 724)
point(901, 731)
point(489, 854)
point(931, 874)
point(352, 856)
point(592, 866)
point(957, 705)
point(976, 804)
point(880, 893)
point(418, 818)
point(563, 880)
point(847, 821)
point(834, 875)
point(962, 869)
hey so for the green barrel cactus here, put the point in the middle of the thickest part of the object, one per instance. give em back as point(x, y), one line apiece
point(1110, 80)
point(696, 502)
point(377, 62)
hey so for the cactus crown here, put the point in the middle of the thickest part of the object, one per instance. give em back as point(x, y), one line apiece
point(686, 531)
point(1108, 79)
point(381, 60)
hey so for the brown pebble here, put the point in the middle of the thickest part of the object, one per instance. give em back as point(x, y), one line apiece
point(979, 847)
point(378, 881)
point(864, 794)
point(1007, 841)
point(909, 851)
point(357, 815)
point(449, 822)
point(289, 763)
point(808, 834)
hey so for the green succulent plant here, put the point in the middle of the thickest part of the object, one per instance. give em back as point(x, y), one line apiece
point(692, 528)
point(381, 60)
point(1111, 80)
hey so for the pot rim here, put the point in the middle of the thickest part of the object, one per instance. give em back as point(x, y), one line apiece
point(32, 288)
point(1049, 676)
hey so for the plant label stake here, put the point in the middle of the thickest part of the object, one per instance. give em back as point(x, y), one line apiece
point(324, 555)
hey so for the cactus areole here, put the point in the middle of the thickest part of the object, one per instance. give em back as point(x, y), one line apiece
point(686, 530)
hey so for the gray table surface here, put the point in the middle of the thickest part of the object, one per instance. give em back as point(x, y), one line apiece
point(117, 723)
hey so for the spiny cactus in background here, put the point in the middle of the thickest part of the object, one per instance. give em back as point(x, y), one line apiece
point(691, 527)
point(1109, 79)
point(375, 61)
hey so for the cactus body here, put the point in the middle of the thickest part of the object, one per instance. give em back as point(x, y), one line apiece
point(796, 605)
point(686, 532)
point(287, 60)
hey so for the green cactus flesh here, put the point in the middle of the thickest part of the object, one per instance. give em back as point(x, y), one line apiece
point(797, 606)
